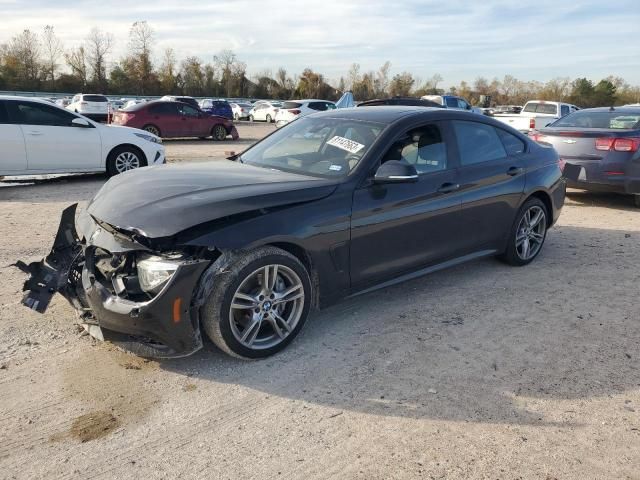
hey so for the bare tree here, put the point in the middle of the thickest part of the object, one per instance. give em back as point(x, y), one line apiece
point(99, 45)
point(141, 37)
point(225, 61)
point(77, 61)
point(168, 71)
point(382, 80)
point(52, 51)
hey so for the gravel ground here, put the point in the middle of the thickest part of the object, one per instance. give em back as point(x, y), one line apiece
point(480, 371)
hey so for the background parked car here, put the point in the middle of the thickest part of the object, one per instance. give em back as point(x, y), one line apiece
point(241, 110)
point(95, 107)
point(216, 107)
point(38, 137)
point(452, 101)
point(63, 102)
point(172, 119)
point(264, 111)
point(600, 148)
point(188, 100)
point(537, 114)
point(293, 109)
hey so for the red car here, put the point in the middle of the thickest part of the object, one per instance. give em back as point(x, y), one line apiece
point(170, 119)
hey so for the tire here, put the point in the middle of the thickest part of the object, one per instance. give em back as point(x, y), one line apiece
point(524, 237)
point(253, 319)
point(236, 117)
point(268, 119)
point(636, 200)
point(251, 119)
point(124, 158)
point(219, 133)
point(152, 129)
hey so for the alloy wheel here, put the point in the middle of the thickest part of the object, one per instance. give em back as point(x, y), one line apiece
point(531, 232)
point(152, 129)
point(219, 132)
point(127, 161)
point(266, 307)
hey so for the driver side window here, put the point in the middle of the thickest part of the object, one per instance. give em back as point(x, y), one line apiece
point(423, 147)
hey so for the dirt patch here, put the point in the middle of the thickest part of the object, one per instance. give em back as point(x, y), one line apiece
point(93, 425)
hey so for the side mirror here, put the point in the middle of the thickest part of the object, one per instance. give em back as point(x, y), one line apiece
point(80, 122)
point(396, 171)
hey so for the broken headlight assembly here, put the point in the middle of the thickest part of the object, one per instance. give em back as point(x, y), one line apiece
point(155, 271)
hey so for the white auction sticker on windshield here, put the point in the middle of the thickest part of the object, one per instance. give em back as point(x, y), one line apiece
point(346, 144)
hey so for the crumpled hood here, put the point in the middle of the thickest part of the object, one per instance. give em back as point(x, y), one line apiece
point(161, 201)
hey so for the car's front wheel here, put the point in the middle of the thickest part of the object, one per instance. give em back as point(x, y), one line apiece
point(268, 119)
point(251, 118)
point(528, 233)
point(259, 305)
point(236, 117)
point(124, 158)
point(219, 133)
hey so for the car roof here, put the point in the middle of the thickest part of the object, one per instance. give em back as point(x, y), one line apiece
point(22, 98)
point(625, 109)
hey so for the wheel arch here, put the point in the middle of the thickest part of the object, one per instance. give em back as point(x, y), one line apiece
point(545, 198)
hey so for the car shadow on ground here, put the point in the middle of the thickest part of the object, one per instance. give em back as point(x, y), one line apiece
point(482, 342)
point(615, 201)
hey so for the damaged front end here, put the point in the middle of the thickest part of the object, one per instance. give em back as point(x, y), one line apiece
point(125, 288)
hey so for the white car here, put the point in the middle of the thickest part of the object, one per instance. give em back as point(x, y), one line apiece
point(95, 107)
point(241, 110)
point(37, 138)
point(293, 109)
point(264, 111)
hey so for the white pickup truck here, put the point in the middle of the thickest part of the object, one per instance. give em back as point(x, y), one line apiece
point(537, 114)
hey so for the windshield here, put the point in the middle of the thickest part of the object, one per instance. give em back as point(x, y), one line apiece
point(320, 147)
point(615, 120)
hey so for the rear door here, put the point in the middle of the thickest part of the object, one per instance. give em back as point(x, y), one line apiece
point(399, 228)
point(492, 180)
point(13, 154)
point(52, 143)
point(165, 116)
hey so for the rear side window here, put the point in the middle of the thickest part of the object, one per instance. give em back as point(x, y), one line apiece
point(287, 105)
point(512, 144)
point(162, 109)
point(94, 98)
point(452, 102)
point(564, 110)
point(31, 113)
point(320, 106)
point(477, 142)
point(547, 108)
point(4, 117)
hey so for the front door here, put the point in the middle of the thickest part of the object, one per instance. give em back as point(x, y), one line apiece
point(401, 227)
point(52, 142)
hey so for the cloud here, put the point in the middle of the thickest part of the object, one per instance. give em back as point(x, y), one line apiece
point(458, 39)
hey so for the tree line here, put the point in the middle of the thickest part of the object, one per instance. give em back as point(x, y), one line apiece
point(33, 61)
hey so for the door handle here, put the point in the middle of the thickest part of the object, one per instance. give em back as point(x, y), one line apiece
point(448, 187)
point(34, 133)
point(515, 171)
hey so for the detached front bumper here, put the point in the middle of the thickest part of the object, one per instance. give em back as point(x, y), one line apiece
point(233, 131)
point(166, 325)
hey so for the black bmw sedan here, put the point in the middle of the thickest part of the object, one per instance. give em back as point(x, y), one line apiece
point(334, 204)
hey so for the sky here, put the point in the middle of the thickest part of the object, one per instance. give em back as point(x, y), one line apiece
point(459, 39)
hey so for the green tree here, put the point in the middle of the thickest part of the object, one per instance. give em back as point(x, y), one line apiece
point(401, 84)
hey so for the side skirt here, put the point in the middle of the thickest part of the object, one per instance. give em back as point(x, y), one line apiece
point(425, 271)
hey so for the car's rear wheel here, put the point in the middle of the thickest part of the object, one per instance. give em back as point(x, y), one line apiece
point(152, 129)
point(124, 158)
point(236, 117)
point(219, 133)
point(259, 305)
point(268, 119)
point(528, 233)
point(251, 119)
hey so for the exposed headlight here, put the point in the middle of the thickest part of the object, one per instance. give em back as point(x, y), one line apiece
point(154, 271)
point(149, 138)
